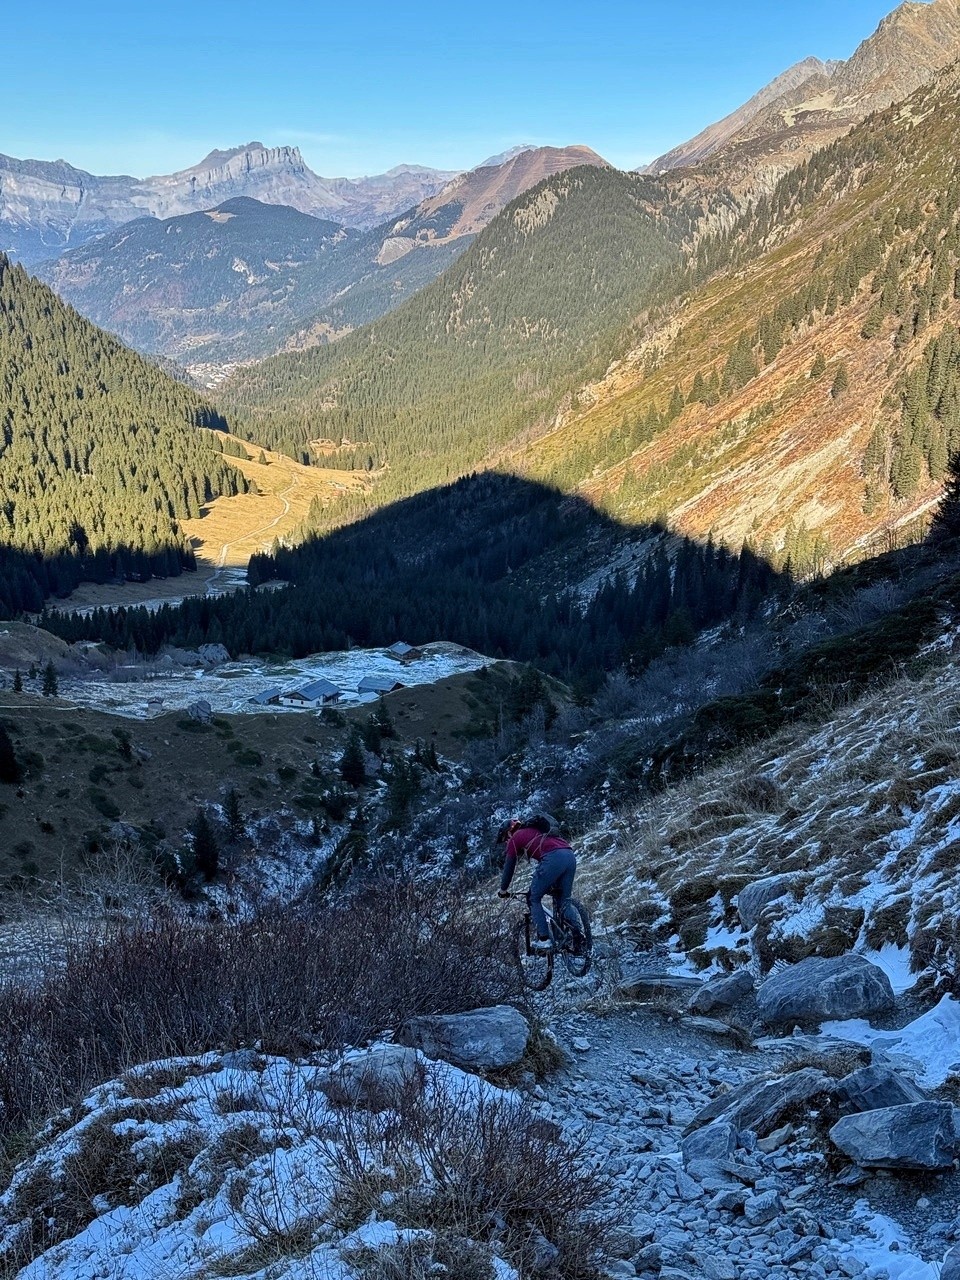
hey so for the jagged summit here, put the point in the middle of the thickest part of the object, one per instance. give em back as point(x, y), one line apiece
point(814, 102)
point(49, 206)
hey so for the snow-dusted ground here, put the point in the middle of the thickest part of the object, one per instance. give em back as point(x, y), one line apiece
point(229, 687)
point(218, 1165)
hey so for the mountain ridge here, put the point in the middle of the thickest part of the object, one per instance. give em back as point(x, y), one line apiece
point(46, 205)
point(247, 279)
point(813, 103)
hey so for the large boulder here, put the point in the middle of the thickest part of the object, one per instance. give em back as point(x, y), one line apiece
point(373, 1079)
point(708, 1147)
point(921, 1135)
point(951, 1265)
point(760, 1104)
point(722, 993)
point(873, 1088)
point(821, 987)
point(753, 899)
point(481, 1040)
point(638, 983)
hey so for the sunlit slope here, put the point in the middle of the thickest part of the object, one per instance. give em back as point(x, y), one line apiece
point(806, 397)
point(489, 349)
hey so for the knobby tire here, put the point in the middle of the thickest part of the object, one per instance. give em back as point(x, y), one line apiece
point(578, 966)
point(536, 968)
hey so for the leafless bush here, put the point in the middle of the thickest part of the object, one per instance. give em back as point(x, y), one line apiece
point(290, 980)
point(424, 1260)
point(473, 1166)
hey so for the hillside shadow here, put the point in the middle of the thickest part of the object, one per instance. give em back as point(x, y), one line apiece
point(28, 580)
point(496, 563)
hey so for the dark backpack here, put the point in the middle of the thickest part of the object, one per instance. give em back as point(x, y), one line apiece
point(545, 823)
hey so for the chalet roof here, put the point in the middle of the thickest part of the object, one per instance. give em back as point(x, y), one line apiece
point(400, 648)
point(378, 684)
point(319, 688)
point(266, 696)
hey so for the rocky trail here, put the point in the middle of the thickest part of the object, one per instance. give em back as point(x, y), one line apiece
point(720, 1203)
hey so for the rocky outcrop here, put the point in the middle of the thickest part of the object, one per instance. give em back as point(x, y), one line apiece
point(759, 1105)
point(372, 1079)
point(482, 1040)
point(722, 993)
point(922, 1135)
point(814, 102)
point(875, 1087)
point(950, 1270)
point(820, 988)
point(754, 898)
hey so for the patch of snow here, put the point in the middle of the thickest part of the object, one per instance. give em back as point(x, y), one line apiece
point(722, 935)
point(931, 1043)
point(884, 1245)
point(228, 688)
point(895, 963)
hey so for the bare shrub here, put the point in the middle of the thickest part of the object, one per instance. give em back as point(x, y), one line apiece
point(474, 1166)
point(290, 980)
point(425, 1259)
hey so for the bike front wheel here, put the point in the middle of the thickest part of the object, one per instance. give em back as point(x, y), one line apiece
point(536, 967)
point(577, 962)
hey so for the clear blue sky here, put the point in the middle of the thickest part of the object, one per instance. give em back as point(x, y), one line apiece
point(121, 86)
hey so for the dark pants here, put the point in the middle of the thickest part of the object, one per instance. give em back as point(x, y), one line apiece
point(554, 875)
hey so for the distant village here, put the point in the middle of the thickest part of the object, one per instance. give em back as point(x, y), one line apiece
point(324, 693)
point(316, 693)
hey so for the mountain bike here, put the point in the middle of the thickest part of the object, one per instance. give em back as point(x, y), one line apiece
point(574, 946)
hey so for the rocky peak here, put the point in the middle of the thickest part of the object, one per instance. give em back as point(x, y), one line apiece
point(814, 102)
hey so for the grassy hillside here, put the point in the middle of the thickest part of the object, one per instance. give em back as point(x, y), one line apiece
point(100, 453)
point(806, 398)
point(536, 303)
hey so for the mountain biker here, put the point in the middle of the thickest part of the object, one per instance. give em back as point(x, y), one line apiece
point(539, 840)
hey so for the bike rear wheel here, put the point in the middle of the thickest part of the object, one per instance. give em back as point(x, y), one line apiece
point(577, 963)
point(536, 967)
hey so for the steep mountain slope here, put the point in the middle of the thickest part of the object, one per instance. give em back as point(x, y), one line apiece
point(99, 452)
point(47, 206)
point(221, 284)
point(805, 398)
point(248, 279)
point(489, 348)
point(483, 192)
point(716, 136)
point(814, 103)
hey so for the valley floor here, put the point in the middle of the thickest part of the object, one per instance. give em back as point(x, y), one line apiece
point(230, 531)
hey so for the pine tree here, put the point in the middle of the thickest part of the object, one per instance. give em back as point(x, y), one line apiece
point(841, 382)
point(819, 366)
point(352, 769)
point(206, 850)
point(51, 685)
point(18, 682)
point(233, 815)
point(10, 771)
point(946, 522)
point(372, 737)
point(384, 722)
point(876, 452)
